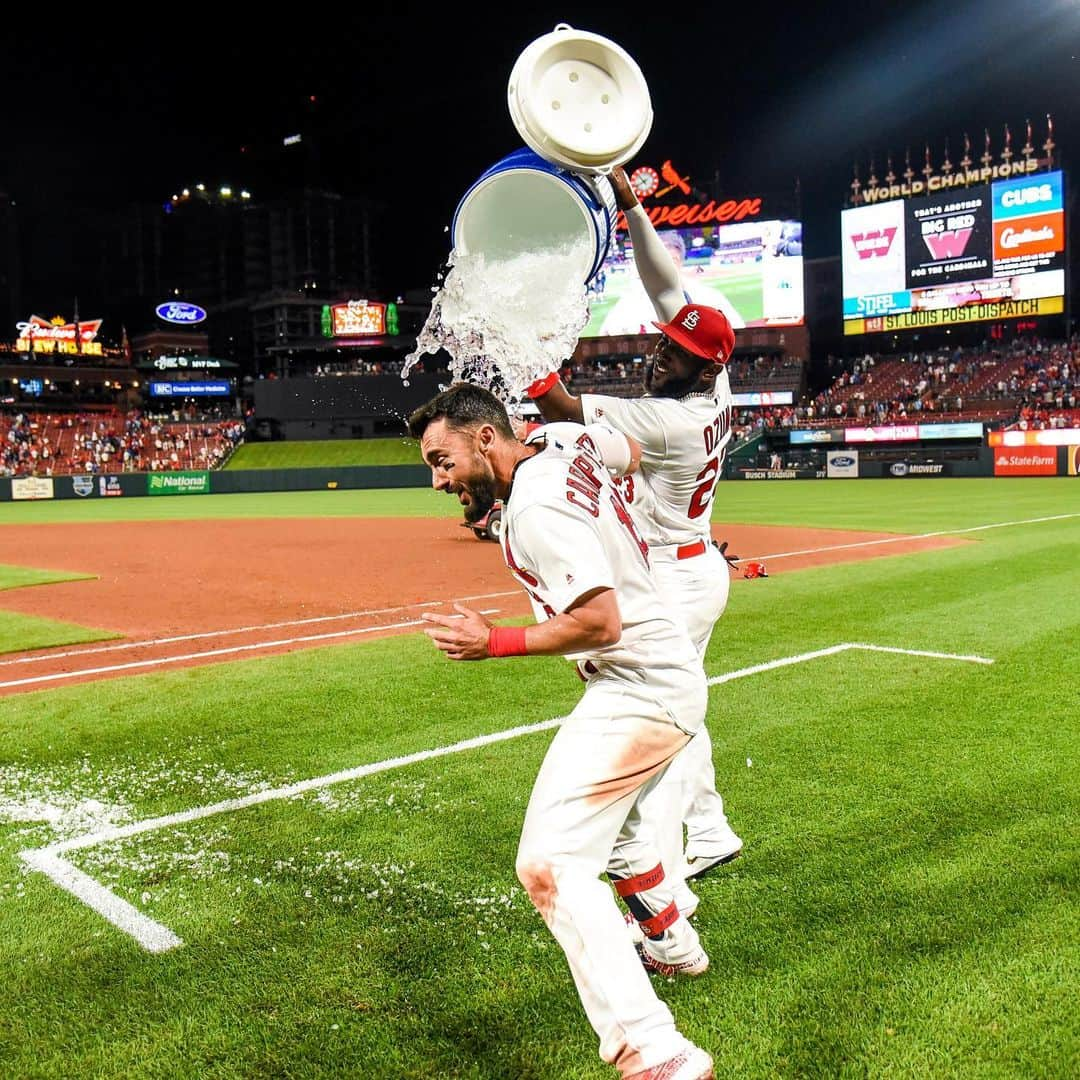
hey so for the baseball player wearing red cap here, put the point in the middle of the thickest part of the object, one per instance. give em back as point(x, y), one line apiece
point(683, 425)
point(570, 541)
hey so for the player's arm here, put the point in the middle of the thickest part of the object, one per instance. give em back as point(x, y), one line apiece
point(618, 453)
point(591, 622)
point(654, 263)
point(554, 401)
point(561, 545)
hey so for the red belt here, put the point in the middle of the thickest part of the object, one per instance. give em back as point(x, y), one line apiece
point(689, 551)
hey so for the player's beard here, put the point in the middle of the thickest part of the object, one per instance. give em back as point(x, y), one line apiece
point(671, 387)
point(481, 496)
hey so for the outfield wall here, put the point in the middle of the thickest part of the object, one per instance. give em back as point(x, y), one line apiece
point(343, 478)
point(917, 464)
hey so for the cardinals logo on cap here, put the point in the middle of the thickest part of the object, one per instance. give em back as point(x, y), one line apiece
point(703, 331)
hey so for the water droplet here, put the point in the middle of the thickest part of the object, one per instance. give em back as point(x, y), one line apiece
point(605, 98)
point(556, 105)
point(574, 76)
point(588, 127)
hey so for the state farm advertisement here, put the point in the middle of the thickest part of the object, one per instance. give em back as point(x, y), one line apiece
point(1025, 461)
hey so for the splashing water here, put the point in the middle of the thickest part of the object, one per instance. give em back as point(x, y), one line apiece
point(506, 323)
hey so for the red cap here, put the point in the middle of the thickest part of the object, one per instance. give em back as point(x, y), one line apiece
point(702, 330)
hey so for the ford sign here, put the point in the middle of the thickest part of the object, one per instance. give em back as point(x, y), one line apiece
point(899, 469)
point(843, 462)
point(175, 311)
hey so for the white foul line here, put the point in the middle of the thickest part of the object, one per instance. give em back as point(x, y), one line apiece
point(905, 537)
point(923, 652)
point(157, 938)
point(148, 642)
point(161, 660)
point(151, 935)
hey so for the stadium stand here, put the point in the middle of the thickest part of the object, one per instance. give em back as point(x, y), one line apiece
point(43, 444)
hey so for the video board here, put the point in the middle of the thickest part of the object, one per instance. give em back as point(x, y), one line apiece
point(989, 252)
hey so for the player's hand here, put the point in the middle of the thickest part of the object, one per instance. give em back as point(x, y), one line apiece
point(722, 548)
point(463, 636)
point(625, 198)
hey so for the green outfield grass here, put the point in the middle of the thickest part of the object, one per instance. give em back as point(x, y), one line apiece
point(325, 453)
point(906, 905)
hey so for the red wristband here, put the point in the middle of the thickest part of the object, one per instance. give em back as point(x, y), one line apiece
point(506, 641)
point(543, 386)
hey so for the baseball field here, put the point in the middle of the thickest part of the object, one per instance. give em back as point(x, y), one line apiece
point(252, 823)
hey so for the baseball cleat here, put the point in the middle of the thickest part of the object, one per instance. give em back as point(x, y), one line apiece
point(691, 1064)
point(695, 963)
point(703, 855)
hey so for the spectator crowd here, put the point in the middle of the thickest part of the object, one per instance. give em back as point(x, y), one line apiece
point(37, 444)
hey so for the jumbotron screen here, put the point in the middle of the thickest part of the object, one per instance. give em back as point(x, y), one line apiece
point(991, 252)
point(751, 270)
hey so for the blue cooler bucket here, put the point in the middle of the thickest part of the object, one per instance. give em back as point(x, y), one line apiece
point(525, 204)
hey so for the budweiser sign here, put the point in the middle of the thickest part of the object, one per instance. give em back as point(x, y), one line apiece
point(648, 183)
point(39, 329)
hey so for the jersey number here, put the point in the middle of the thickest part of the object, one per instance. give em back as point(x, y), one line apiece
point(713, 434)
point(702, 496)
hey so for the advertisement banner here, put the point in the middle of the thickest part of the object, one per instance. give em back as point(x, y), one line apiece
point(1028, 195)
point(31, 487)
point(110, 486)
point(897, 433)
point(901, 469)
point(82, 486)
point(815, 435)
point(1025, 461)
point(764, 397)
point(873, 256)
point(778, 474)
point(950, 316)
point(1040, 234)
point(842, 464)
point(1046, 437)
point(1074, 460)
point(190, 389)
point(951, 431)
point(178, 483)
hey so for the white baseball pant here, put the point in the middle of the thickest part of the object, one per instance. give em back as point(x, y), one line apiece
point(584, 819)
point(697, 588)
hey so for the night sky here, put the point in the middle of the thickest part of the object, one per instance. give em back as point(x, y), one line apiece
point(411, 109)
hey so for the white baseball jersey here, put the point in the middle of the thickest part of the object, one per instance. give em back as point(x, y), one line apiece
point(683, 445)
point(566, 532)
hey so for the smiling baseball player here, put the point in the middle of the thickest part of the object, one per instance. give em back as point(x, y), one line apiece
point(571, 543)
point(683, 426)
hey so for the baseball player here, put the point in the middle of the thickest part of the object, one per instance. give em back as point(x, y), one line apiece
point(570, 541)
point(683, 426)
